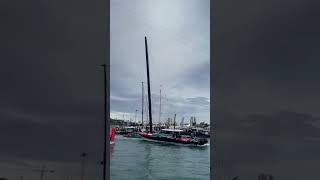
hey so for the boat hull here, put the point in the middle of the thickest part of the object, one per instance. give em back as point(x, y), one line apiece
point(184, 141)
point(132, 135)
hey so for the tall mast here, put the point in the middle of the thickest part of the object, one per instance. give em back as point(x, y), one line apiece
point(182, 122)
point(160, 106)
point(174, 122)
point(146, 108)
point(149, 94)
point(142, 105)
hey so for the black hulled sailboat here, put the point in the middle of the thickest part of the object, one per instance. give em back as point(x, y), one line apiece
point(166, 135)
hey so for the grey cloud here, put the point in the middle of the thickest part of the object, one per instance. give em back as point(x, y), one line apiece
point(265, 63)
point(51, 93)
point(280, 124)
point(248, 145)
point(267, 56)
point(47, 140)
point(183, 107)
point(198, 77)
point(199, 100)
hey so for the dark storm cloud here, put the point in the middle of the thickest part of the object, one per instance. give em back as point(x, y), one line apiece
point(42, 63)
point(26, 139)
point(271, 49)
point(278, 124)
point(258, 141)
point(47, 141)
point(51, 87)
point(266, 83)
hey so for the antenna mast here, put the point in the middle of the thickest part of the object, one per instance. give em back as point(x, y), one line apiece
point(142, 105)
point(160, 106)
point(174, 121)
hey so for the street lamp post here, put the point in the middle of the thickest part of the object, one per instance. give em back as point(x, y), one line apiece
point(105, 123)
point(83, 155)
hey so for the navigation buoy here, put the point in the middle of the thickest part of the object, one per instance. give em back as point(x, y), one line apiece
point(113, 133)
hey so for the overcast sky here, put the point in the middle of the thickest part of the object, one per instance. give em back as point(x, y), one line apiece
point(178, 35)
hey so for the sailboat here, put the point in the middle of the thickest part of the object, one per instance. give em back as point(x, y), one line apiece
point(166, 135)
point(132, 132)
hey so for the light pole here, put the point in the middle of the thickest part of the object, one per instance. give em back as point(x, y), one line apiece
point(83, 155)
point(105, 123)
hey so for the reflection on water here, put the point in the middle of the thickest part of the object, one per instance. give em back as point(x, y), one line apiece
point(142, 160)
point(148, 159)
point(112, 149)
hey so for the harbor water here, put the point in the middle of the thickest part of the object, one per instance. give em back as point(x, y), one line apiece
point(137, 159)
